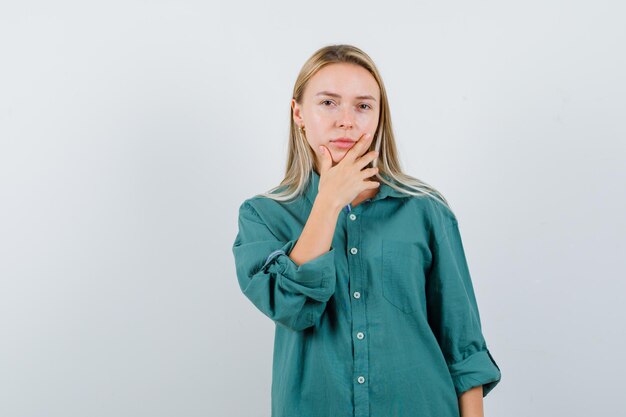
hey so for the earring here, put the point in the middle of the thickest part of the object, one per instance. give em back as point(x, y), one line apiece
point(302, 128)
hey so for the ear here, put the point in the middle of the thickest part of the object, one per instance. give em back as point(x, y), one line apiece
point(295, 107)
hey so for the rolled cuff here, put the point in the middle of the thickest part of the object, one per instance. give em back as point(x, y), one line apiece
point(314, 278)
point(477, 369)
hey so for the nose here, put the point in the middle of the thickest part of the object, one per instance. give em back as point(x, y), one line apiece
point(346, 119)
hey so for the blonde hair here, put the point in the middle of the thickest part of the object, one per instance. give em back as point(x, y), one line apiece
point(301, 158)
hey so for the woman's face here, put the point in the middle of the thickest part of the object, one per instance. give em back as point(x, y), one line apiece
point(340, 101)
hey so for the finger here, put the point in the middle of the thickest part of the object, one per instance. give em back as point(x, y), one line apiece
point(326, 160)
point(361, 145)
point(366, 159)
point(369, 172)
point(367, 144)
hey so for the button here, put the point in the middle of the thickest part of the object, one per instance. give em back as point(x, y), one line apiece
point(352, 216)
point(360, 335)
point(354, 251)
point(361, 379)
point(357, 294)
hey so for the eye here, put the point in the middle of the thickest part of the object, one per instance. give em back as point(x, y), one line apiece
point(368, 106)
point(324, 101)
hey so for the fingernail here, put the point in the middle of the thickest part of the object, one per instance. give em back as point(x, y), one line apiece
point(321, 149)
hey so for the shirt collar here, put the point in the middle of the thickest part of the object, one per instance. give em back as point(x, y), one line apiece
point(384, 190)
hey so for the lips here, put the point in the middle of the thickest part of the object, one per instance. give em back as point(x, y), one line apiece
point(342, 143)
point(344, 140)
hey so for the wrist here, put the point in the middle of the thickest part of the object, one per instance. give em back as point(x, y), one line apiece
point(327, 205)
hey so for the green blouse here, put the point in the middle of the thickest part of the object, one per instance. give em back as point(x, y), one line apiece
point(383, 324)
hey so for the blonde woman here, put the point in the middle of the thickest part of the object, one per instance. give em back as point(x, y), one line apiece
point(360, 266)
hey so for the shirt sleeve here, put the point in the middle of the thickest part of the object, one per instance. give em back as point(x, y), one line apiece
point(453, 312)
point(292, 295)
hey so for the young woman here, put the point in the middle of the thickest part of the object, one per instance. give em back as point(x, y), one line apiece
point(360, 265)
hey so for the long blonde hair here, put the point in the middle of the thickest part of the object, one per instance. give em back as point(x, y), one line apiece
point(301, 158)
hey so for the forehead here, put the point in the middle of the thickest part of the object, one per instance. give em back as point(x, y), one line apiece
point(348, 80)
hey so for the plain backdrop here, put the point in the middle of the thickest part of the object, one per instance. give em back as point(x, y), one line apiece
point(130, 132)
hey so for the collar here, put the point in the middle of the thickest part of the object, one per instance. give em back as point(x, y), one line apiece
point(384, 190)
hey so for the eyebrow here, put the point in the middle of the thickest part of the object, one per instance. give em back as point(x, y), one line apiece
point(331, 94)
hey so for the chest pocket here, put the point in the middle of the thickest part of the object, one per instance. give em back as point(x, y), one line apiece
point(403, 275)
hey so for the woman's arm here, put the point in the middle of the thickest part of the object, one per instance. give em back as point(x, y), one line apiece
point(317, 236)
point(453, 310)
point(292, 294)
point(471, 402)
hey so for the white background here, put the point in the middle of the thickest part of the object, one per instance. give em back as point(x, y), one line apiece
point(131, 131)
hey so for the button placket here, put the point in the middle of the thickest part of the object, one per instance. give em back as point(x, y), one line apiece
point(359, 313)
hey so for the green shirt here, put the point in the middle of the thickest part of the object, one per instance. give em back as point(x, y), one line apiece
point(383, 324)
